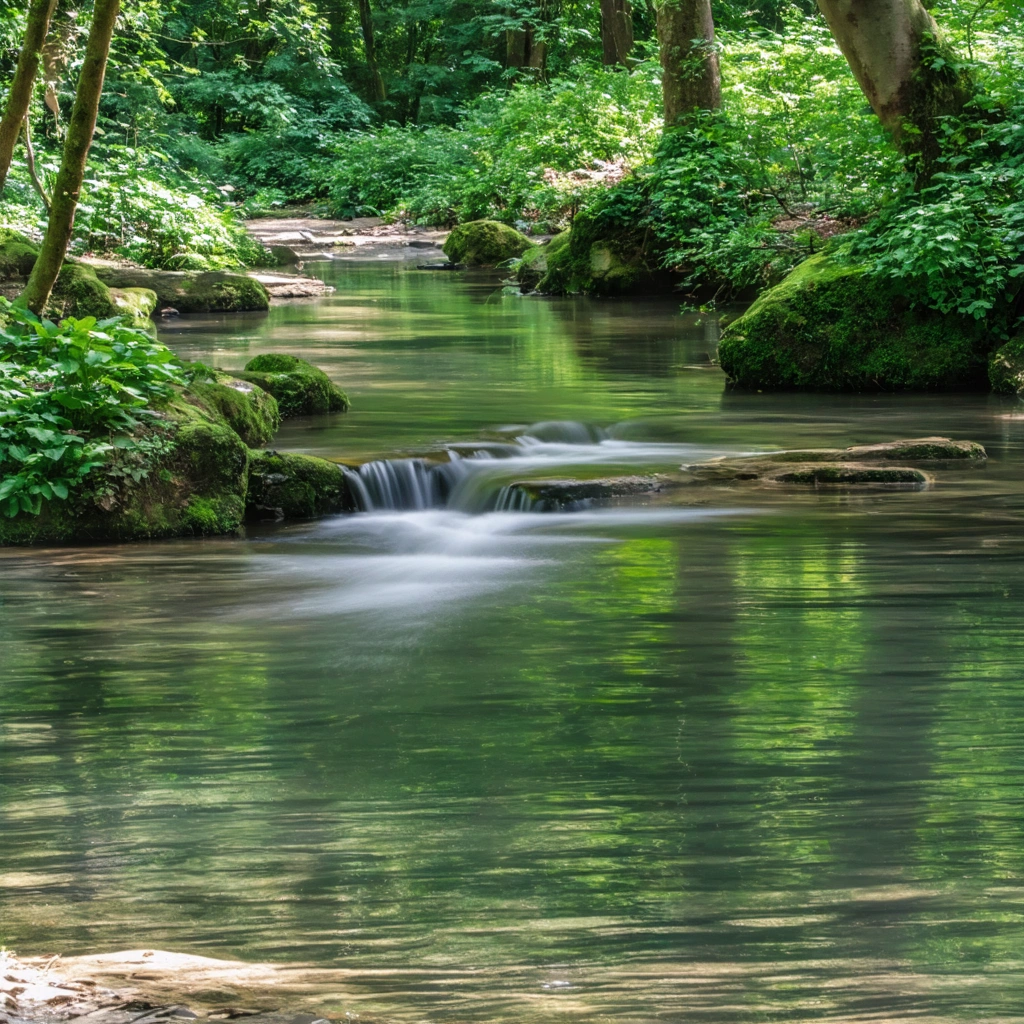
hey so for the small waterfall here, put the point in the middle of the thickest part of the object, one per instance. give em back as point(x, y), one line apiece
point(405, 484)
point(513, 498)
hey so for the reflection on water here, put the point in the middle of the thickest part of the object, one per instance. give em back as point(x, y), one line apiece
point(756, 759)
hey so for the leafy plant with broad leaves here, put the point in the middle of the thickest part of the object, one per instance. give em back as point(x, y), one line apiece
point(70, 395)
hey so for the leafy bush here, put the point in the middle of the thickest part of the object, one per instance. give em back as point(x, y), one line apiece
point(510, 156)
point(70, 395)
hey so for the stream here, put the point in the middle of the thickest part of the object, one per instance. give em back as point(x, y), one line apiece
point(757, 757)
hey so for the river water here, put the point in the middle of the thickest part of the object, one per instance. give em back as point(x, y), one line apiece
point(747, 757)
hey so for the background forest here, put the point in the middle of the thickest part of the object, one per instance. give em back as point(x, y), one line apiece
point(443, 111)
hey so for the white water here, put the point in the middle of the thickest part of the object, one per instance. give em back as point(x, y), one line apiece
point(481, 477)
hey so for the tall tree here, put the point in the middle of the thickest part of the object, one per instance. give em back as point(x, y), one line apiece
point(888, 44)
point(76, 149)
point(39, 14)
point(690, 78)
point(378, 93)
point(616, 31)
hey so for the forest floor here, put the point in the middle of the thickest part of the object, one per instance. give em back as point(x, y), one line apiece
point(150, 986)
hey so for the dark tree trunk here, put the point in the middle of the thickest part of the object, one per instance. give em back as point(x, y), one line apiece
point(885, 44)
point(690, 78)
point(370, 48)
point(72, 165)
point(616, 31)
point(524, 50)
point(39, 14)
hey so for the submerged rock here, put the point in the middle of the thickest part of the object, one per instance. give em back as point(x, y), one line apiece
point(287, 486)
point(215, 291)
point(832, 327)
point(485, 243)
point(299, 387)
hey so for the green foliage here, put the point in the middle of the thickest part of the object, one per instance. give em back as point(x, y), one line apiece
point(511, 156)
point(957, 244)
point(70, 400)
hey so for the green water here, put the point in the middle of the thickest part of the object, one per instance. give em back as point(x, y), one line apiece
point(759, 758)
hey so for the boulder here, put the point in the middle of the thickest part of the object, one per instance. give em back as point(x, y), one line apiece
point(833, 327)
point(1006, 367)
point(17, 254)
point(485, 243)
point(287, 486)
point(249, 410)
point(558, 495)
point(299, 387)
point(589, 260)
point(193, 483)
point(916, 449)
point(214, 291)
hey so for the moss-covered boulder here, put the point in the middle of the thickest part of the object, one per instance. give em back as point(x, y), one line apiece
point(591, 260)
point(485, 243)
point(250, 410)
point(533, 266)
point(137, 303)
point(190, 479)
point(1006, 367)
point(215, 291)
point(287, 486)
point(300, 388)
point(17, 254)
point(832, 327)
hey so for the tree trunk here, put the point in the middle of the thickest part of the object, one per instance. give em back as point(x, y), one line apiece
point(524, 50)
point(39, 14)
point(72, 166)
point(885, 43)
point(690, 78)
point(616, 31)
point(370, 47)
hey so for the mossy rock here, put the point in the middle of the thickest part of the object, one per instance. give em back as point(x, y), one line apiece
point(300, 388)
point(1006, 367)
point(215, 291)
point(251, 411)
point(286, 486)
point(78, 292)
point(532, 267)
point(196, 487)
point(832, 327)
point(589, 260)
point(485, 243)
point(137, 303)
point(18, 254)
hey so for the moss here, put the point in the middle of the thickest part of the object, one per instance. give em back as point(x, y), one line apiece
point(17, 254)
point(78, 292)
point(137, 303)
point(192, 292)
point(485, 243)
point(285, 486)
point(1006, 367)
point(251, 411)
point(533, 266)
point(849, 475)
point(197, 487)
point(831, 327)
point(592, 260)
point(299, 387)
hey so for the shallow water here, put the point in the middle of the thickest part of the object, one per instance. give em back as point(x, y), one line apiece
point(752, 758)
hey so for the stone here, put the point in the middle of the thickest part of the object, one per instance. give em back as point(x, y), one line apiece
point(554, 495)
point(250, 411)
point(832, 327)
point(289, 486)
point(283, 254)
point(300, 388)
point(215, 291)
point(849, 474)
point(485, 243)
point(917, 449)
point(1006, 367)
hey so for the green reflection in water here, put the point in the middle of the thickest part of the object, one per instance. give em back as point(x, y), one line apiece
point(764, 767)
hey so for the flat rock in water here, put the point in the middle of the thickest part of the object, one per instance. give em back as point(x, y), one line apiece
point(561, 492)
point(917, 449)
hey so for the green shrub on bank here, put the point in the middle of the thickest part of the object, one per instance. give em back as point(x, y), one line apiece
point(72, 398)
point(511, 156)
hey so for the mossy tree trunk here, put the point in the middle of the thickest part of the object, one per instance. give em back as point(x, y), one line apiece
point(76, 150)
point(897, 55)
point(370, 48)
point(690, 77)
point(39, 14)
point(616, 31)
